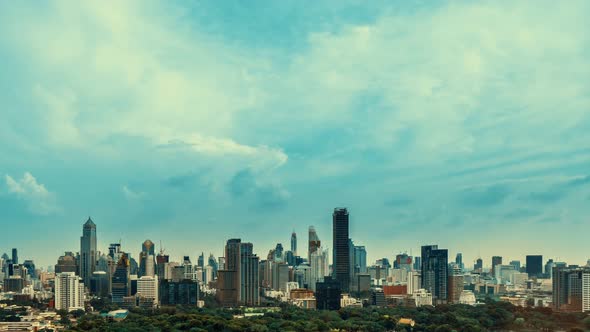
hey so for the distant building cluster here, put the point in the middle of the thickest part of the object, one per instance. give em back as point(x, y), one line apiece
point(243, 278)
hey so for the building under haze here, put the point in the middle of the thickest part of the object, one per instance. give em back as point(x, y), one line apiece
point(294, 243)
point(534, 265)
point(313, 243)
point(88, 253)
point(147, 259)
point(435, 272)
point(341, 256)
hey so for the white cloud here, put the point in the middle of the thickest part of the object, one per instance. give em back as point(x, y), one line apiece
point(40, 201)
point(132, 195)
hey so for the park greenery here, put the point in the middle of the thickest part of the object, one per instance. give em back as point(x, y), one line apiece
point(489, 316)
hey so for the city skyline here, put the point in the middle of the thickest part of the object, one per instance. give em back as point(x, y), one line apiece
point(458, 123)
point(136, 251)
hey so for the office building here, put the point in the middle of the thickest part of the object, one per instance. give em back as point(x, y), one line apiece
point(360, 259)
point(341, 256)
point(100, 283)
point(516, 264)
point(239, 283)
point(314, 242)
point(571, 289)
point(319, 266)
point(69, 292)
point(67, 263)
point(121, 280)
point(328, 293)
point(147, 259)
point(496, 260)
point(184, 292)
point(294, 243)
point(459, 261)
point(478, 266)
point(147, 291)
point(88, 253)
point(534, 266)
point(435, 272)
point(14, 256)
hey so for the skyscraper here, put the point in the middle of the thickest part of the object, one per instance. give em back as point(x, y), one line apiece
point(478, 266)
point(341, 256)
point(496, 260)
point(238, 283)
point(313, 243)
point(88, 250)
point(294, 243)
point(14, 256)
point(120, 285)
point(69, 292)
point(534, 265)
point(147, 259)
point(571, 289)
point(435, 271)
point(459, 261)
point(360, 259)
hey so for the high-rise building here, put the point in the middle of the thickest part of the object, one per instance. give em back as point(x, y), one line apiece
point(455, 284)
point(69, 292)
point(435, 271)
point(294, 243)
point(14, 256)
point(478, 266)
point(571, 289)
point(99, 284)
point(147, 259)
point(239, 283)
point(403, 261)
point(341, 256)
point(360, 259)
point(314, 242)
point(67, 263)
point(31, 269)
point(328, 294)
point(496, 260)
point(214, 266)
point(320, 268)
point(147, 290)
point(516, 265)
point(121, 284)
point(184, 292)
point(459, 261)
point(88, 253)
point(534, 265)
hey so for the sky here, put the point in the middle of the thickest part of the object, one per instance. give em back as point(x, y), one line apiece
point(459, 123)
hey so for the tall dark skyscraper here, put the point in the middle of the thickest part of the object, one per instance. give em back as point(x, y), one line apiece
point(120, 282)
point(534, 265)
point(435, 271)
point(14, 256)
point(478, 266)
point(314, 242)
point(239, 281)
point(88, 255)
point(294, 243)
point(496, 260)
point(341, 257)
point(459, 261)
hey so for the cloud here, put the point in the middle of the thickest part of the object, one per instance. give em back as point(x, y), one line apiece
point(132, 195)
point(261, 195)
point(39, 200)
point(485, 196)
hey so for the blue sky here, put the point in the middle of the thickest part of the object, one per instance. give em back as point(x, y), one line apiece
point(461, 123)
